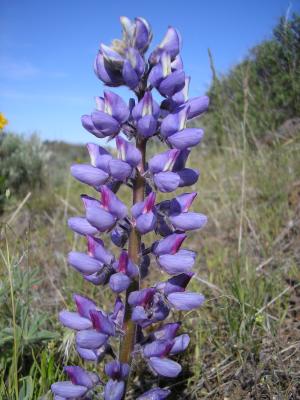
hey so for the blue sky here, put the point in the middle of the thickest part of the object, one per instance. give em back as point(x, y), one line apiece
point(47, 50)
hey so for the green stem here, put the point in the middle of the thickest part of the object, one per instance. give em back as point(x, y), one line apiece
point(134, 249)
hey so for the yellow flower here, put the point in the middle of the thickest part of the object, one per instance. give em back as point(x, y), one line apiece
point(3, 121)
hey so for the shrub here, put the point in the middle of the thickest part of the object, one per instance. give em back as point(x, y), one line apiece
point(21, 165)
point(266, 84)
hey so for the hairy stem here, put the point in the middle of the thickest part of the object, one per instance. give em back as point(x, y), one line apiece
point(134, 250)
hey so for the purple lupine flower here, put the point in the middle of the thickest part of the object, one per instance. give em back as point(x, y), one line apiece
point(81, 319)
point(133, 68)
point(171, 43)
point(137, 34)
point(176, 283)
point(175, 213)
point(80, 383)
point(196, 105)
point(161, 166)
point(149, 307)
point(104, 215)
point(129, 158)
point(169, 171)
point(97, 263)
point(82, 226)
point(161, 348)
point(124, 62)
point(146, 114)
point(173, 128)
point(117, 372)
point(165, 77)
point(176, 296)
point(88, 174)
point(155, 394)
point(144, 214)
point(109, 116)
point(185, 301)
point(97, 214)
point(125, 271)
point(108, 67)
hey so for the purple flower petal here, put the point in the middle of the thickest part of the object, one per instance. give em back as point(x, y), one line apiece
point(158, 348)
point(105, 123)
point(82, 226)
point(88, 124)
point(99, 156)
point(167, 331)
point(88, 174)
point(117, 370)
point(90, 339)
point(96, 249)
point(68, 389)
point(128, 152)
point(129, 75)
point(103, 71)
point(132, 269)
point(141, 297)
point(165, 367)
point(187, 177)
point(114, 390)
point(197, 106)
point(139, 315)
point(177, 283)
point(136, 60)
point(182, 96)
point(84, 305)
point(119, 282)
point(170, 125)
point(73, 320)
point(182, 203)
point(180, 262)
point(116, 106)
point(146, 106)
point(155, 394)
point(111, 202)
point(172, 84)
point(101, 219)
point(155, 75)
point(84, 263)
point(163, 161)
point(98, 278)
point(186, 301)
point(171, 42)
point(146, 222)
point(119, 169)
point(102, 323)
point(188, 137)
point(181, 342)
point(147, 126)
point(188, 221)
point(166, 181)
point(79, 376)
point(169, 245)
point(87, 354)
point(143, 34)
point(111, 55)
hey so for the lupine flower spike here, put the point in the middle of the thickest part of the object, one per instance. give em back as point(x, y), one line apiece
point(146, 310)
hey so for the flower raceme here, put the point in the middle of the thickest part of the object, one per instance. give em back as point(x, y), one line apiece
point(131, 126)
